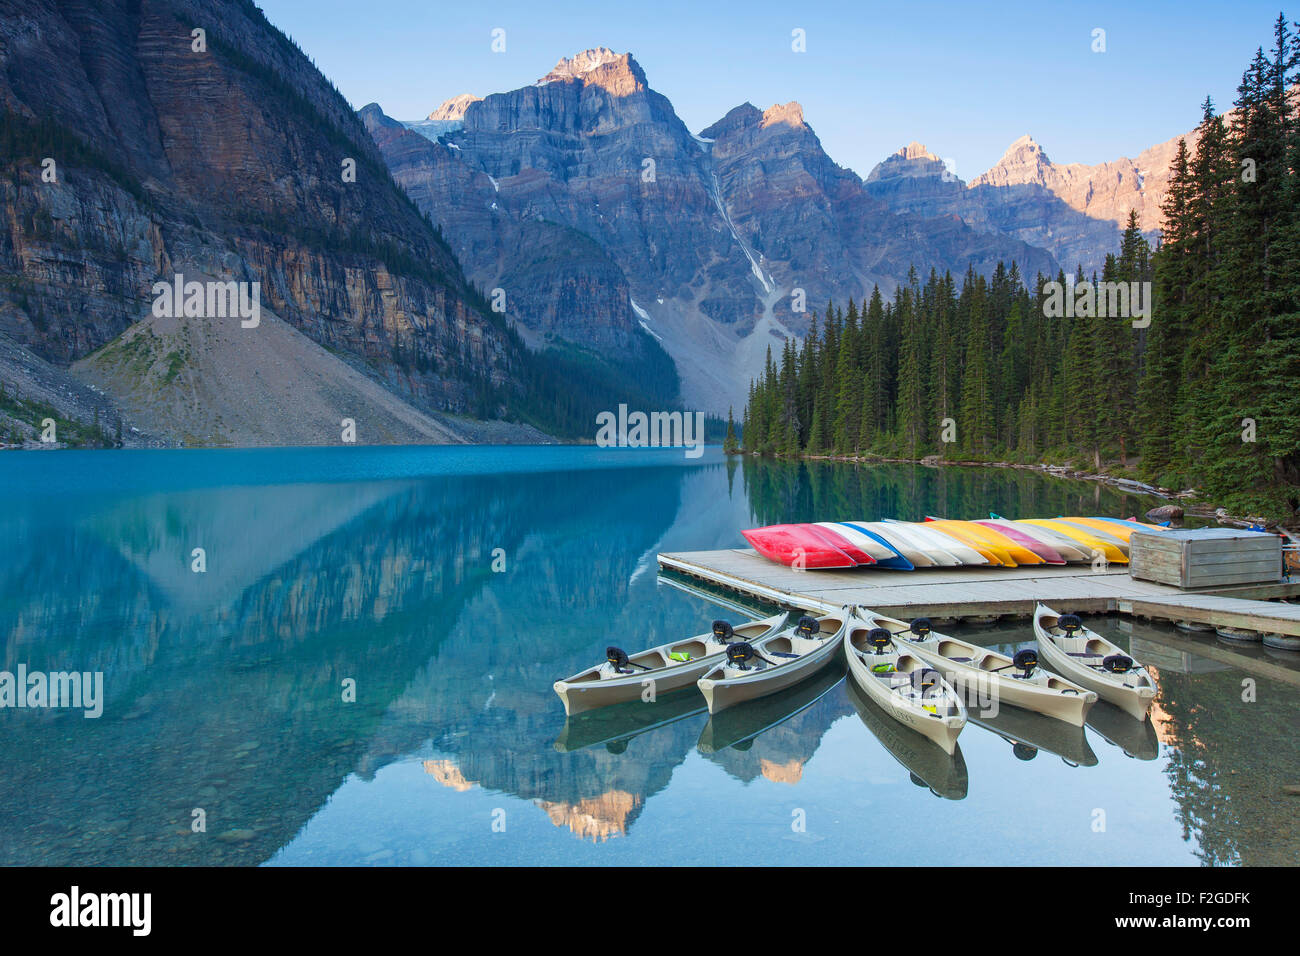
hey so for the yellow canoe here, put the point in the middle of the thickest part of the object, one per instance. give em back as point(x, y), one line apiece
point(984, 540)
point(1110, 549)
point(1019, 553)
point(1105, 527)
point(1119, 537)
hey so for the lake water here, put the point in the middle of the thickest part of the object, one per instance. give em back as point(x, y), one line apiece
point(224, 690)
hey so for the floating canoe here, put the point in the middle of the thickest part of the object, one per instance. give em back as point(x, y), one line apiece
point(771, 663)
point(966, 553)
point(669, 666)
point(793, 545)
point(928, 766)
point(1026, 540)
point(1068, 548)
point(1089, 659)
point(915, 547)
point(1109, 547)
point(880, 552)
point(992, 676)
point(902, 683)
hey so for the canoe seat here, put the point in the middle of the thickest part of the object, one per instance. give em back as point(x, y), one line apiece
point(960, 660)
point(783, 654)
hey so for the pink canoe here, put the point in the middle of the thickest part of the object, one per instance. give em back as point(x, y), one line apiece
point(1040, 548)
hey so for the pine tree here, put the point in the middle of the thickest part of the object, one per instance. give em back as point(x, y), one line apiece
point(912, 407)
point(1160, 387)
point(848, 394)
point(976, 421)
point(729, 444)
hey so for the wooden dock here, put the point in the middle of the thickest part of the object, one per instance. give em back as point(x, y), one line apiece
point(988, 593)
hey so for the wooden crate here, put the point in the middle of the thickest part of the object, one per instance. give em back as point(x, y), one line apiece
point(1205, 557)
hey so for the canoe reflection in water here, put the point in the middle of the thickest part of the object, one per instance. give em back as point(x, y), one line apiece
point(1137, 738)
point(927, 764)
point(737, 727)
point(1028, 733)
point(616, 725)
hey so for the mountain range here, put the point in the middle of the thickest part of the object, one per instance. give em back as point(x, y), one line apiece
point(721, 243)
point(508, 257)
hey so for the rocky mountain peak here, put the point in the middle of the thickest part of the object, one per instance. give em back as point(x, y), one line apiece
point(617, 73)
point(1023, 162)
point(737, 118)
point(915, 150)
point(373, 116)
point(454, 108)
point(1025, 145)
point(791, 114)
point(911, 161)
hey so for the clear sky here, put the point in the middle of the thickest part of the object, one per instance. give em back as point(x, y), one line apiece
point(965, 79)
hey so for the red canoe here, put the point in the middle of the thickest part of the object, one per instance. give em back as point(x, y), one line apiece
point(794, 544)
point(840, 542)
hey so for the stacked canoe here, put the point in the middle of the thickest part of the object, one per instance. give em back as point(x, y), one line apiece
point(935, 542)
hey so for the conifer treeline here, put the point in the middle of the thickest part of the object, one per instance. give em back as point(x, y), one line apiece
point(1208, 395)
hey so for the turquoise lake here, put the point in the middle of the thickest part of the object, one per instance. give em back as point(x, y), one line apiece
point(225, 690)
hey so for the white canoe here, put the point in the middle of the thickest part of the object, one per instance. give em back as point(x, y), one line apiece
point(1089, 659)
point(903, 684)
point(878, 551)
point(935, 538)
point(992, 677)
point(787, 657)
point(912, 547)
point(606, 684)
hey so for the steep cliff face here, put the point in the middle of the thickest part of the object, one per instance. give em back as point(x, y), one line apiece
point(593, 147)
point(557, 283)
point(709, 236)
point(227, 162)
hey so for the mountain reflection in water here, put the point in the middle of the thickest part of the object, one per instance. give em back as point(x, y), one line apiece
point(225, 691)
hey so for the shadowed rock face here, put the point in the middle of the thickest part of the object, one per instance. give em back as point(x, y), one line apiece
point(711, 234)
point(224, 163)
point(814, 222)
point(559, 283)
point(593, 147)
point(915, 181)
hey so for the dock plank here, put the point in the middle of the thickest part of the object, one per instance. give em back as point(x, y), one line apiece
point(987, 592)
